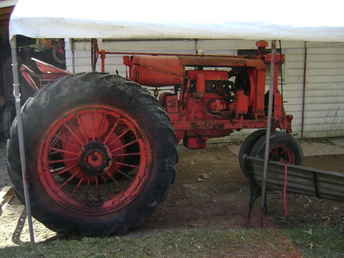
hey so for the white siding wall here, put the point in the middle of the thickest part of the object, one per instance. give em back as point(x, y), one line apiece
point(324, 102)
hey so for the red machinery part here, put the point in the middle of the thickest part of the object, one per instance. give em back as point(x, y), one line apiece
point(242, 102)
point(208, 75)
point(29, 76)
point(195, 142)
point(217, 105)
point(155, 70)
point(262, 44)
point(201, 76)
point(47, 74)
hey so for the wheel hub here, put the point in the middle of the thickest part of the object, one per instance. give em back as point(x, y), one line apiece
point(95, 159)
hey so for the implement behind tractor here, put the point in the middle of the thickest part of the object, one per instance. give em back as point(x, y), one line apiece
point(104, 149)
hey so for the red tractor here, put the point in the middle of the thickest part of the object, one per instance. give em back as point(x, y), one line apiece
point(102, 150)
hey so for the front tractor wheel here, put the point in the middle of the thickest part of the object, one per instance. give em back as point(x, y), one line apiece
point(283, 148)
point(245, 149)
point(100, 154)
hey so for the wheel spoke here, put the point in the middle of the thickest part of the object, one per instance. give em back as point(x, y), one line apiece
point(74, 134)
point(64, 170)
point(82, 132)
point(64, 151)
point(113, 128)
point(101, 122)
point(113, 179)
point(57, 137)
point(61, 160)
point(124, 174)
point(78, 185)
point(128, 154)
point(127, 165)
point(94, 128)
point(124, 146)
point(68, 180)
point(119, 136)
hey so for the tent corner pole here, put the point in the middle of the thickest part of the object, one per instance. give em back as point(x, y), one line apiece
point(304, 84)
point(268, 128)
point(16, 94)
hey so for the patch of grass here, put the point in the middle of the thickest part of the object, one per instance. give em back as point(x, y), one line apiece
point(316, 241)
point(176, 243)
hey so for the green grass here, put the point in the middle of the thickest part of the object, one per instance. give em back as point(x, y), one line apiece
point(310, 241)
point(316, 241)
point(176, 243)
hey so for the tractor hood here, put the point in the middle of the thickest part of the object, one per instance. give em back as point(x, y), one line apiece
point(180, 19)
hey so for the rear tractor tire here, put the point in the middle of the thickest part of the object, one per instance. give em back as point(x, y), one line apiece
point(100, 154)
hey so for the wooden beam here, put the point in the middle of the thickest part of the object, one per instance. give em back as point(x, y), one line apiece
point(5, 17)
point(6, 10)
point(4, 23)
point(5, 14)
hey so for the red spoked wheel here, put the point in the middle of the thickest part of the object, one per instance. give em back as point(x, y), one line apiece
point(283, 148)
point(100, 154)
point(89, 147)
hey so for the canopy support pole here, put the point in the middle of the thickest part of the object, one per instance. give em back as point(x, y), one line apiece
point(304, 83)
point(269, 122)
point(16, 94)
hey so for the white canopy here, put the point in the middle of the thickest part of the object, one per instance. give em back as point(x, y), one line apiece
point(179, 19)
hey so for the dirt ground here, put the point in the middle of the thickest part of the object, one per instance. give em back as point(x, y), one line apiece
point(210, 192)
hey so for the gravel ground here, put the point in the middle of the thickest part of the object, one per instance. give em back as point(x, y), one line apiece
point(12, 211)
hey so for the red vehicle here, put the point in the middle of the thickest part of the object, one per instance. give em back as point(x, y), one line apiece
point(103, 150)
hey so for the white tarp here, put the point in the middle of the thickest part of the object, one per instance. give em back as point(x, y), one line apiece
point(178, 19)
point(7, 3)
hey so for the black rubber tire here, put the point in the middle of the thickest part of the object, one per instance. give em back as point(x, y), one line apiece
point(7, 80)
point(8, 115)
point(84, 89)
point(8, 110)
point(277, 139)
point(246, 147)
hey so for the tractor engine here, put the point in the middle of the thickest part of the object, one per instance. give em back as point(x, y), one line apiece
point(207, 96)
point(213, 95)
